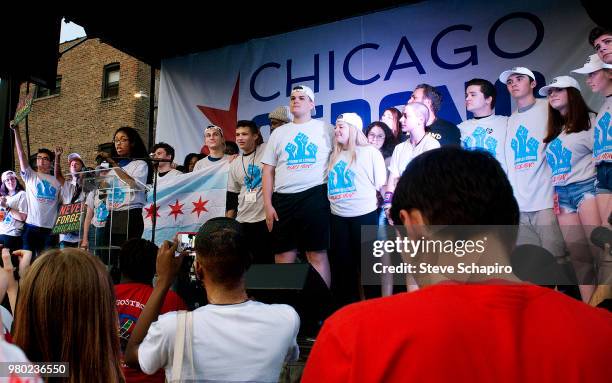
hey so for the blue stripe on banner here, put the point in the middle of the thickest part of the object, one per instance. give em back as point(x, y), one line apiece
point(189, 184)
point(167, 233)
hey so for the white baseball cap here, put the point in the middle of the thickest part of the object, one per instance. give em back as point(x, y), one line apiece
point(304, 89)
point(560, 82)
point(7, 174)
point(593, 64)
point(352, 119)
point(503, 77)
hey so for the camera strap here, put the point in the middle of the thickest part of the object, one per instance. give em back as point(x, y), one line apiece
point(182, 341)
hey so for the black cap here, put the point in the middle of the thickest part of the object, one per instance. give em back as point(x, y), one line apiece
point(214, 225)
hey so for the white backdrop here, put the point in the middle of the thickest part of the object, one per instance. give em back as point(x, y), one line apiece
point(367, 63)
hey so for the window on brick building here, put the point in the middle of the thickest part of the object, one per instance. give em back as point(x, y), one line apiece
point(41, 91)
point(110, 85)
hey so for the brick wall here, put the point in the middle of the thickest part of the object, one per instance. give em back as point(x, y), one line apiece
point(78, 118)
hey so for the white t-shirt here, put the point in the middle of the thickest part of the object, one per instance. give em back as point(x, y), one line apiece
point(10, 225)
point(68, 191)
point(300, 154)
point(570, 158)
point(206, 163)
point(12, 353)
point(245, 174)
point(528, 172)
point(168, 176)
point(100, 211)
point(121, 196)
point(246, 342)
point(405, 152)
point(352, 191)
point(602, 147)
point(42, 194)
point(487, 133)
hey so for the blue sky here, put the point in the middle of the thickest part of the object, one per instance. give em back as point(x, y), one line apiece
point(70, 31)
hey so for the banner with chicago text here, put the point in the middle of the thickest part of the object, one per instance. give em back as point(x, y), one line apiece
point(368, 63)
point(185, 202)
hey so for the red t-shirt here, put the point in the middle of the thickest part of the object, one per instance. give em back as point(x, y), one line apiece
point(131, 299)
point(465, 333)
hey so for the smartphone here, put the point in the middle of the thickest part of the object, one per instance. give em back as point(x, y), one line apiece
point(186, 241)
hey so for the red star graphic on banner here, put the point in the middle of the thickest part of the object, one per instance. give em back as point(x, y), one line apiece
point(176, 209)
point(152, 210)
point(226, 119)
point(199, 206)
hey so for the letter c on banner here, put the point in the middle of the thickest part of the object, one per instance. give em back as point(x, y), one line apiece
point(347, 60)
point(537, 23)
point(254, 93)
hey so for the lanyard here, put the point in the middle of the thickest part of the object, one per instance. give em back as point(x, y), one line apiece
point(248, 174)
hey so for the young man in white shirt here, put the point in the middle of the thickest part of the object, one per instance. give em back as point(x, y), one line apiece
point(163, 151)
point(413, 122)
point(485, 131)
point(295, 182)
point(244, 200)
point(528, 172)
point(42, 194)
point(233, 338)
point(215, 142)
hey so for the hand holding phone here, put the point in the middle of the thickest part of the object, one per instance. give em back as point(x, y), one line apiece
point(186, 241)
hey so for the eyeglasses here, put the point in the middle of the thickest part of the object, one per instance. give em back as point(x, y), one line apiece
point(376, 137)
point(43, 158)
point(121, 141)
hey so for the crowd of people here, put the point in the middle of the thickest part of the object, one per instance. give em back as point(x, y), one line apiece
point(306, 194)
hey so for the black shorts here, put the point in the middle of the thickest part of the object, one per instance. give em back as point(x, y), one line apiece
point(303, 220)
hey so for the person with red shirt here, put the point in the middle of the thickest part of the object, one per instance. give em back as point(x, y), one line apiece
point(459, 331)
point(137, 263)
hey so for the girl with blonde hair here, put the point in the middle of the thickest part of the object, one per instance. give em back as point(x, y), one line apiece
point(356, 172)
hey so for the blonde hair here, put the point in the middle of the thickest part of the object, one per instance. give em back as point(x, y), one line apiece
point(66, 313)
point(356, 138)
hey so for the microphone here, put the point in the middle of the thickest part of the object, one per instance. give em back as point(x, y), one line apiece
point(600, 236)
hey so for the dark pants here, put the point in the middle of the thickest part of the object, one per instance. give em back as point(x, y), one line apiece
point(345, 255)
point(36, 239)
point(122, 226)
point(10, 242)
point(125, 224)
point(98, 243)
point(260, 241)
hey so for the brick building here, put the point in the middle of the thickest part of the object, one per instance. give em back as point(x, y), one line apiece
point(94, 97)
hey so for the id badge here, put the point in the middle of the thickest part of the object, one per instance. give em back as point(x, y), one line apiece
point(250, 196)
